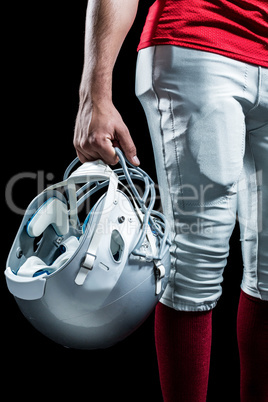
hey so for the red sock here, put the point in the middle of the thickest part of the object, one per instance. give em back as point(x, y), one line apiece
point(252, 336)
point(183, 344)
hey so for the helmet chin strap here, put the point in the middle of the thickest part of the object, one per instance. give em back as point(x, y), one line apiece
point(34, 265)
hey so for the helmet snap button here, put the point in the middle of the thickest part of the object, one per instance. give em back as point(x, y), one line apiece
point(121, 219)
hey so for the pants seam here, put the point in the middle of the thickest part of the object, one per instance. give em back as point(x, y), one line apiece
point(257, 229)
point(163, 151)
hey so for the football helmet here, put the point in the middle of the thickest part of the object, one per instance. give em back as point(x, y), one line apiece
point(91, 257)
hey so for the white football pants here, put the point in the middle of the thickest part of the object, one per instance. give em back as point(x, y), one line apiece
point(208, 120)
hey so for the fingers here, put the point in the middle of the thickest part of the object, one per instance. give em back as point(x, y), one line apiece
point(94, 150)
point(127, 145)
point(95, 145)
point(105, 131)
point(107, 152)
point(97, 149)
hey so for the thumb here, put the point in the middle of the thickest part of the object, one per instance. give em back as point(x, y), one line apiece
point(134, 160)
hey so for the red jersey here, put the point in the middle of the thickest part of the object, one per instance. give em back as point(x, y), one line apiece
point(233, 28)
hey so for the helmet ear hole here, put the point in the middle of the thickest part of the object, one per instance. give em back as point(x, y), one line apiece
point(117, 245)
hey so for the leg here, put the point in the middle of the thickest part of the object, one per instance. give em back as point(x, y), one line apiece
point(198, 133)
point(197, 124)
point(252, 320)
point(252, 335)
point(183, 343)
point(253, 196)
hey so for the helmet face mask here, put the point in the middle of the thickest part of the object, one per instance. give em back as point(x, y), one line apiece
point(89, 283)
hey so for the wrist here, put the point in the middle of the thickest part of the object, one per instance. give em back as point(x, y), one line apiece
point(95, 95)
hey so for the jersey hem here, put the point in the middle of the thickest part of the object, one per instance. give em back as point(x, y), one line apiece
point(222, 52)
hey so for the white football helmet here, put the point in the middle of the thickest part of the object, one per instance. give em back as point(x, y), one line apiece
point(88, 285)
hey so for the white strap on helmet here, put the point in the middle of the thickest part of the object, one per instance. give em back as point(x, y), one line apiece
point(96, 239)
point(88, 172)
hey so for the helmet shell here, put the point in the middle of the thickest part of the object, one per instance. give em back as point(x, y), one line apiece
point(118, 294)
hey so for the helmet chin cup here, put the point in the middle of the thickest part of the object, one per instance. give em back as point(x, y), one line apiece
point(91, 257)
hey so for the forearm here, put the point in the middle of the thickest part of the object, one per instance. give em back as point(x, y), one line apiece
point(99, 126)
point(107, 24)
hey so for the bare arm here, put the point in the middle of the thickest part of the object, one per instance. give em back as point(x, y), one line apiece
point(99, 126)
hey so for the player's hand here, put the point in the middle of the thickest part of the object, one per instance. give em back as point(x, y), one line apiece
point(100, 128)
